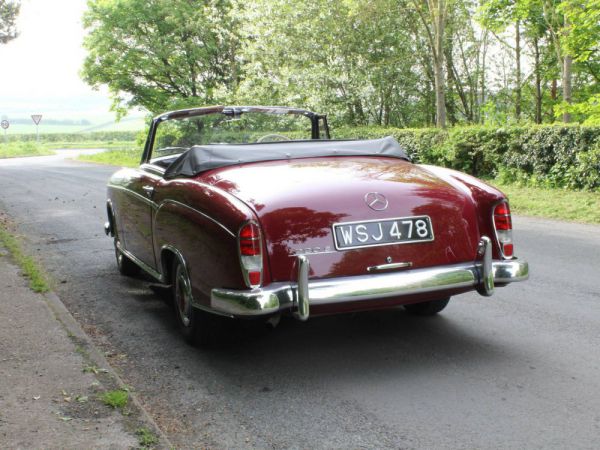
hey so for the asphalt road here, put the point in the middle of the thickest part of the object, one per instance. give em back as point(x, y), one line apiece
point(518, 370)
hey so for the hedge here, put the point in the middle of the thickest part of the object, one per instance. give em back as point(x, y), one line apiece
point(543, 155)
point(538, 155)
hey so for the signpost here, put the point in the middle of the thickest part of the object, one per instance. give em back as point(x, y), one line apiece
point(37, 118)
point(5, 124)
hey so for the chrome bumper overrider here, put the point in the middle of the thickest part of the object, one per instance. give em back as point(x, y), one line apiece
point(481, 275)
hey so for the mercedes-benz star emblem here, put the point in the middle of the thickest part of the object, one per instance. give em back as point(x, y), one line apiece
point(376, 201)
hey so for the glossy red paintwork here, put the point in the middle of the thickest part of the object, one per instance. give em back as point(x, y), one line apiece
point(296, 202)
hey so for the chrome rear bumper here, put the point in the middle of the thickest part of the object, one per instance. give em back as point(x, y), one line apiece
point(300, 296)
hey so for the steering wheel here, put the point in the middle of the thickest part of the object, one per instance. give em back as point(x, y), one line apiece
point(279, 137)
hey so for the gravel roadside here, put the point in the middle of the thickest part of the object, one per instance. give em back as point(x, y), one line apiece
point(53, 378)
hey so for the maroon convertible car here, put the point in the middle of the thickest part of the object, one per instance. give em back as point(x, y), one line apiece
point(255, 212)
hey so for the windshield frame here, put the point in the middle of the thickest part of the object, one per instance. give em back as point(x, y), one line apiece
point(319, 124)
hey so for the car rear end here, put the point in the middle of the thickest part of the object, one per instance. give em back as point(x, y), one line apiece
point(339, 234)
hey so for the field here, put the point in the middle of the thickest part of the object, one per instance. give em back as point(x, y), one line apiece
point(126, 124)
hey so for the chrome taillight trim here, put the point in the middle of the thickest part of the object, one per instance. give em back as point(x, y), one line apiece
point(245, 272)
point(500, 248)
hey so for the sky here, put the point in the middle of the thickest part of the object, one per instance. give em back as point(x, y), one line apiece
point(39, 70)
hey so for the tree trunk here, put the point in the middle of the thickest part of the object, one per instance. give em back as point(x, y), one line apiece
point(566, 85)
point(480, 117)
point(439, 17)
point(538, 82)
point(566, 77)
point(518, 79)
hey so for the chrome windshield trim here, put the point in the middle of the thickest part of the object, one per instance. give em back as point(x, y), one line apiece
point(153, 169)
point(282, 296)
point(183, 205)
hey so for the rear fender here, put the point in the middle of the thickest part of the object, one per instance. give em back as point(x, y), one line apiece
point(200, 223)
point(483, 196)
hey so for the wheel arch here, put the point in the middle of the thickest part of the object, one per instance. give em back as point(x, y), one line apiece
point(168, 254)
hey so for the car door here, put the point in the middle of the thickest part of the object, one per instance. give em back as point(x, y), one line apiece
point(137, 213)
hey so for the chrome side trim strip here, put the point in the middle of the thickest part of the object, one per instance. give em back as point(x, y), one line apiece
point(281, 296)
point(145, 267)
point(135, 194)
point(183, 205)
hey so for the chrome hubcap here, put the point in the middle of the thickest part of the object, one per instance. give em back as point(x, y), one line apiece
point(183, 296)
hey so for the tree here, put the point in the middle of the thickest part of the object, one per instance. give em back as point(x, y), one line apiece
point(9, 10)
point(162, 54)
point(434, 15)
point(581, 40)
point(350, 58)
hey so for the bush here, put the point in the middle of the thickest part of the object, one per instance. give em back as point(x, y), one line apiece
point(541, 155)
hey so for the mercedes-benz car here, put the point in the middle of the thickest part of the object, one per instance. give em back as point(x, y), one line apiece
point(255, 212)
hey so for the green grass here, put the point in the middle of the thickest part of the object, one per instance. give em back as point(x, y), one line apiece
point(126, 157)
point(553, 203)
point(20, 149)
point(29, 267)
point(115, 399)
point(146, 438)
point(117, 145)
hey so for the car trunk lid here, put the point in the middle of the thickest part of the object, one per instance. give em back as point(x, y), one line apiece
point(297, 202)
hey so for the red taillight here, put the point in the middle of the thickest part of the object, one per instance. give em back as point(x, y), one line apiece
point(250, 248)
point(503, 225)
point(250, 240)
point(254, 278)
point(502, 218)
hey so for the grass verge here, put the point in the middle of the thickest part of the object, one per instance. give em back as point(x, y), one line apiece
point(20, 149)
point(553, 203)
point(125, 157)
point(146, 438)
point(115, 399)
point(31, 271)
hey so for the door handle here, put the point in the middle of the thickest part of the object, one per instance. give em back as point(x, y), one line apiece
point(148, 190)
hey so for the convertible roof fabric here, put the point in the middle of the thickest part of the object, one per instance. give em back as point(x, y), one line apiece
point(201, 158)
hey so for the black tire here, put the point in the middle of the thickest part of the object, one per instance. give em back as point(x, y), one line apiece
point(196, 326)
point(429, 308)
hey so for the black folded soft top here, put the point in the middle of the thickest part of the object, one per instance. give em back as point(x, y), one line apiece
point(201, 158)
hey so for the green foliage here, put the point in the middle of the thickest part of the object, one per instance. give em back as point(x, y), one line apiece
point(161, 54)
point(19, 149)
point(96, 136)
point(9, 10)
point(551, 156)
point(552, 203)
point(146, 438)
point(115, 157)
point(29, 267)
point(116, 399)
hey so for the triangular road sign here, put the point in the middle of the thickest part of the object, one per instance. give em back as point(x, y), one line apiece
point(36, 118)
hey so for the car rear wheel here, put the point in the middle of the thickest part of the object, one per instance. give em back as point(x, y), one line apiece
point(195, 325)
point(429, 308)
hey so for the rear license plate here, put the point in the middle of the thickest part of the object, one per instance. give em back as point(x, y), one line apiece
point(371, 233)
